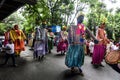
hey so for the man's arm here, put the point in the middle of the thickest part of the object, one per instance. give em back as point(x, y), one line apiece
point(91, 35)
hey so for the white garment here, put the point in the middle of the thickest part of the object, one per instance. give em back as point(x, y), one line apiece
point(114, 47)
point(11, 46)
point(108, 48)
point(91, 46)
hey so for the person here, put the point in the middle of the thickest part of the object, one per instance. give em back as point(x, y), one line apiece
point(44, 29)
point(51, 37)
point(100, 48)
point(39, 46)
point(87, 50)
point(75, 54)
point(9, 48)
point(29, 42)
point(109, 46)
point(63, 41)
point(18, 38)
point(56, 39)
point(114, 46)
point(33, 40)
point(91, 47)
point(6, 37)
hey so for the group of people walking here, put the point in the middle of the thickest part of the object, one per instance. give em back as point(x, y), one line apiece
point(13, 43)
point(44, 40)
point(71, 40)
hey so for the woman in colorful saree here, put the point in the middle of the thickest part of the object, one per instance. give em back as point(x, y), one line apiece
point(100, 48)
point(63, 41)
point(18, 38)
point(51, 37)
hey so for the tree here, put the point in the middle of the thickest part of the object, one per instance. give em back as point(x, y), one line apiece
point(8, 23)
point(97, 13)
point(47, 10)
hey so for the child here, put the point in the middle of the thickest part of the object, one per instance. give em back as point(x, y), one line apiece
point(9, 48)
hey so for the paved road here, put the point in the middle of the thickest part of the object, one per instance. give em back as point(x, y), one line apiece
point(53, 68)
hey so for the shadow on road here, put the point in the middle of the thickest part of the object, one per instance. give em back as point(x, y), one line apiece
point(67, 75)
point(115, 67)
point(59, 55)
point(19, 61)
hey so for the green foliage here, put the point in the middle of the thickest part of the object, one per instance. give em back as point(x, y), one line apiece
point(2, 28)
point(59, 12)
point(47, 10)
point(9, 22)
point(98, 13)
